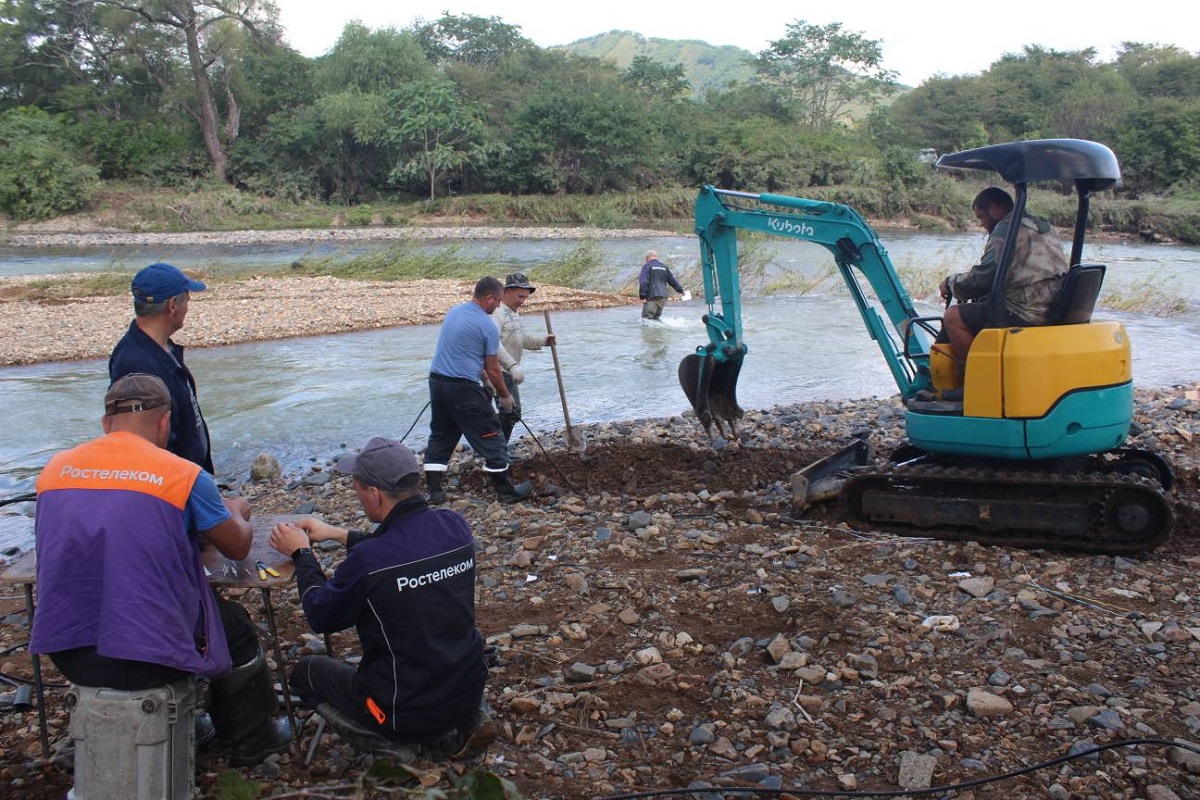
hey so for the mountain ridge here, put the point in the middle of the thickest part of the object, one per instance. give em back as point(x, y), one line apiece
point(707, 67)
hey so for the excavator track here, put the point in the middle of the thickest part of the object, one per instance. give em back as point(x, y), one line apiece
point(1088, 512)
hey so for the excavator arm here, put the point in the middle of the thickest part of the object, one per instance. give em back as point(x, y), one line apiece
point(709, 376)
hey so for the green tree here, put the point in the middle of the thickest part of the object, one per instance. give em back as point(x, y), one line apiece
point(825, 71)
point(39, 176)
point(376, 62)
point(468, 39)
point(354, 126)
point(1160, 70)
point(581, 136)
point(1026, 91)
point(663, 83)
point(1159, 144)
point(942, 113)
point(434, 131)
point(185, 43)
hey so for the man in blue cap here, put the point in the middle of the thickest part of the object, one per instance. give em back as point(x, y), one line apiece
point(160, 305)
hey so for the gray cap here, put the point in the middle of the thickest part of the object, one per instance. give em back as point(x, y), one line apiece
point(383, 463)
point(137, 391)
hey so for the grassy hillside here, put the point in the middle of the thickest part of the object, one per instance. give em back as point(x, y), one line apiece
point(706, 66)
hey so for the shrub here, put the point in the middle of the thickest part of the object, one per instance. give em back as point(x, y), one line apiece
point(39, 178)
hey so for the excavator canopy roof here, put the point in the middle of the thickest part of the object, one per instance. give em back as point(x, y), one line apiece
point(1091, 165)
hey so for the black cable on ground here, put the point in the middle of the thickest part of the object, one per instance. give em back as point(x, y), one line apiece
point(532, 435)
point(550, 459)
point(416, 419)
point(954, 787)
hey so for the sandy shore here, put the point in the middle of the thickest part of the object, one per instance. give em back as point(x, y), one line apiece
point(256, 309)
point(263, 308)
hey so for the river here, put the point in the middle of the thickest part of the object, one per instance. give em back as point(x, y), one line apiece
point(309, 399)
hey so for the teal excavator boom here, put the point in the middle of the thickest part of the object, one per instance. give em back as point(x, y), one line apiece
point(709, 376)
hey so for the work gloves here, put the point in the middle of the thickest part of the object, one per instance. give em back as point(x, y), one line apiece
point(518, 374)
point(506, 403)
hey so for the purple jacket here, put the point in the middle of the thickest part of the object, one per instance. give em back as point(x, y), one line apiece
point(117, 568)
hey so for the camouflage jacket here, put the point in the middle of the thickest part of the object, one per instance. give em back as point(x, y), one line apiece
point(1036, 273)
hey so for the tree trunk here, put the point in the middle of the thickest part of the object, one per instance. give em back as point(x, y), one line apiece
point(209, 122)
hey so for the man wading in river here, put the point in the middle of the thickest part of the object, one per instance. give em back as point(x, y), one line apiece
point(467, 346)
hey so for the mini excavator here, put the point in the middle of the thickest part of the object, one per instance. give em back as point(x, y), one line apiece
point(1033, 455)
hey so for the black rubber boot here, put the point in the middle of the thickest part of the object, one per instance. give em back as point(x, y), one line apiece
point(273, 736)
point(506, 492)
point(242, 704)
point(433, 482)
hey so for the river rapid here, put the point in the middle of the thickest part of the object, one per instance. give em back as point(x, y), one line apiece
point(304, 400)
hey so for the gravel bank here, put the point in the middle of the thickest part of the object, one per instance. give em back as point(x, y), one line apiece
point(256, 309)
point(262, 308)
point(665, 620)
point(53, 235)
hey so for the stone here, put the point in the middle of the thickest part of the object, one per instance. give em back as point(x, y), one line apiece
point(580, 672)
point(793, 660)
point(654, 674)
point(638, 519)
point(265, 467)
point(724, 748)
point(977, 587)
point(1184, 758)
point(916, 770)
point(523, 705)
point(748, 773)
point(811, 675)
point(778, 648)
point(648, 655)
point(985, 704)
point(780, 718)
point(576, 583)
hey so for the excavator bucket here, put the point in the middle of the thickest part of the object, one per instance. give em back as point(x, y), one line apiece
point(711, 388)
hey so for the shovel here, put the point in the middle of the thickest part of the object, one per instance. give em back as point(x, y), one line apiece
point(575, 440)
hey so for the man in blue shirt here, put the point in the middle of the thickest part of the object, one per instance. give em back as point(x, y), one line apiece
point(467, 348)
point(160, 304)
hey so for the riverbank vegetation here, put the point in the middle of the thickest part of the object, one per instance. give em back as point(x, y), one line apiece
point(111, 106)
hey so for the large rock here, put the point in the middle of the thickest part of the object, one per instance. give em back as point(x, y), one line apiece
point(986, 704)
point(265, 467)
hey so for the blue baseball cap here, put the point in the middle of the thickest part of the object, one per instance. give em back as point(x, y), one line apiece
point(159, 282)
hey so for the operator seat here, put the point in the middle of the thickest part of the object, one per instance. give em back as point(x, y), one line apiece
point(1076, 298)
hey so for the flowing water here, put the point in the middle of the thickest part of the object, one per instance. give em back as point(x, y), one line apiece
point(309, 399)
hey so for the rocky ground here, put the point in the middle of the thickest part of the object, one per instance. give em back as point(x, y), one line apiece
point(665, 619)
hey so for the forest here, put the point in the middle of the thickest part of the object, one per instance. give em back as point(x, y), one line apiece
point(189, 93)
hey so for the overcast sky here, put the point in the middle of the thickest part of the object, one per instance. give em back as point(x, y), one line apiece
point(959, 38)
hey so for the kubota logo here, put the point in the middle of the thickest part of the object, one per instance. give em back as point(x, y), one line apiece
point(789, 227)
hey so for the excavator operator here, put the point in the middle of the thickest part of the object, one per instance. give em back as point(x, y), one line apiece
point(1037, 271)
